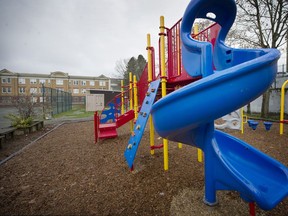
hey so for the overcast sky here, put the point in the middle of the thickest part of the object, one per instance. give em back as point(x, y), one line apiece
point(81, 37)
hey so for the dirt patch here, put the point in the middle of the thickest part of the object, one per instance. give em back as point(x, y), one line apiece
point(65, 173)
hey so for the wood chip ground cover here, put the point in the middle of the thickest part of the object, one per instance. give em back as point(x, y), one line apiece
point(65, 173)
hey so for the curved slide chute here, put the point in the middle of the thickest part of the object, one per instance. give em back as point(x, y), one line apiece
point(187, 115)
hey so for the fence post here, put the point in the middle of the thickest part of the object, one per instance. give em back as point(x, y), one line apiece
point(43, 101)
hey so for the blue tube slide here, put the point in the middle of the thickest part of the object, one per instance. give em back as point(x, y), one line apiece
point(187, 115)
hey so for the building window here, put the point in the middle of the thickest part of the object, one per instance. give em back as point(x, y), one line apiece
point(6, 80)
point(33, 90)
point(59, 82)
point(42, 81)
point(83, 83)
point(33, 81)
point(6, 90)
point(83, 91)
point(92, 83)
point(34, 99)
point(22, 90)
point(102, 83)
point(60, 89)
point(76, 91)
point(75, 82)
point(21, 81)
point(42, 99)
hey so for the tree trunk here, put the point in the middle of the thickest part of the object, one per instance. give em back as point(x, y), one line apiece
point(265, 104)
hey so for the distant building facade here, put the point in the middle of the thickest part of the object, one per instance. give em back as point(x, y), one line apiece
point(17, 84)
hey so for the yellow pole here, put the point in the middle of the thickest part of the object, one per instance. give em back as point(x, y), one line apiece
point(131, 97)
point(196, 30)
point(122, 97)
point(135, 96)
point(199, 151)
point(282, 107)
point(163, 82)
point(149, 57)
point(178, 63)
point(244, 120)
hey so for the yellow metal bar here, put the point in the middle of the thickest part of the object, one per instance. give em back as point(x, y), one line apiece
point(178, 52)
point(152, 140)
point(149, 57)
point(135, 96)
point(200, 155)
point(196, 30)
point(163, 82)
point(131, 97)
point(242, 122)
point(282, 107)
point(178, 63)
point(122, 97)
point(199, 151)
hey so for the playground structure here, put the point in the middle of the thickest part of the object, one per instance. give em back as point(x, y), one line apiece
point(201, 74)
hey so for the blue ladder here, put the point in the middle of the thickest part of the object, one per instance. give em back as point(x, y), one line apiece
point(141, 122)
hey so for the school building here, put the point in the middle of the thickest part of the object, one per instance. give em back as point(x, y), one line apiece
point(17, 84)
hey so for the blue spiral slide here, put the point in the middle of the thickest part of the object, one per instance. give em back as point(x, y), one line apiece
point(187, 115)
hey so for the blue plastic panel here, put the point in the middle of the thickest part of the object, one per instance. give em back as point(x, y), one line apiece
point(139, 127)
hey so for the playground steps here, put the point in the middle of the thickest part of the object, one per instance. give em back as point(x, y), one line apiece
point(140, 124)
point(126, 117)
point(107, 130)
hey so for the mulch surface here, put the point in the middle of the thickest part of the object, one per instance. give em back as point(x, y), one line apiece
point(65, 173)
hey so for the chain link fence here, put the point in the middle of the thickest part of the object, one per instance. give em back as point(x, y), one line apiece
point(55, 101)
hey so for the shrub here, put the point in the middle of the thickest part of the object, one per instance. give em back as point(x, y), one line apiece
point(18, 121)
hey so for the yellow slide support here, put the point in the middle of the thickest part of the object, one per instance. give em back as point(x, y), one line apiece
point(199, 151)
point(282, 107)
point(163, 82)
point(178, 63)
point(149, 57)
point(122, 97)
point(135, 96)
point(131, 97)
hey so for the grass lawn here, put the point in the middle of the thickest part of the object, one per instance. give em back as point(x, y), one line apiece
point(78, 111)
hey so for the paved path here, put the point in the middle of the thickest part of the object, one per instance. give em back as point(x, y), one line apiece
point(4, 122)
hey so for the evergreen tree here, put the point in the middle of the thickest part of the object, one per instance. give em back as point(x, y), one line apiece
point(136, 66)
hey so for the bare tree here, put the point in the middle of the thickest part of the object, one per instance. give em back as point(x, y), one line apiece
point(121, 68)
point(262, 23)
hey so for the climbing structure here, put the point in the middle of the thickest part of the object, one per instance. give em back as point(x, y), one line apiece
point(198, 75)
point(113, 117)
point(229, 81)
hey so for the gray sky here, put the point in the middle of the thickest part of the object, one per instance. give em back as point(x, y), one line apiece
point(81, 37)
